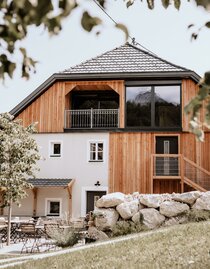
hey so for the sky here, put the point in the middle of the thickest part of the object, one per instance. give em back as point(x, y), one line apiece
point(164, 32)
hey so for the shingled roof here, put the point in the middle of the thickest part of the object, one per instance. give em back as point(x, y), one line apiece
point(50, 182)
point(125, 62)
point(126, 58)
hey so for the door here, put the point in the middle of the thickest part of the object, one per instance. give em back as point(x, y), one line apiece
point(167, 166)
point(92, 197)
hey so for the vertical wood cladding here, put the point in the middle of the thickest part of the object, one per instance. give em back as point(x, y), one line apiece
point(48, 109)
point(130, 161)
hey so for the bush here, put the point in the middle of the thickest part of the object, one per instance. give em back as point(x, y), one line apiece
point(64, 237)
point(196, 215)
point(127, 227)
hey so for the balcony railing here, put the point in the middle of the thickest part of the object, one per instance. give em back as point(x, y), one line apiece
point(91, 118)
point(178, 167)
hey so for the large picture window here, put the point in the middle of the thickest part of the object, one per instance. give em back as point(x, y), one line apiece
point(153, 106)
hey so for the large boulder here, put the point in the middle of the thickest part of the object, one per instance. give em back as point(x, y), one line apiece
point(111, 200)
point(105, 218)
point(203, 202)
point(186, 197)
point(151, 200)
point(151, 217)
point(128, 209)
point(95, 234)
point(173, 208)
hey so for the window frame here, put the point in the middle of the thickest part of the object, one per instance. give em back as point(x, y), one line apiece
point(89, 151)
point(153, 84)
point(51, 149)
point(47, 208)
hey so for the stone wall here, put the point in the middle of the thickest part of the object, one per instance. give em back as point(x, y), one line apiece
point(153, 210)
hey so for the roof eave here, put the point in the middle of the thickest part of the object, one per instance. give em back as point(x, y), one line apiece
point(90, 76)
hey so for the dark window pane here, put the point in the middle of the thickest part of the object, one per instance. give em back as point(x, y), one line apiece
point(167, 106)
point(54, 208)
point(57, 149)
point(100, 156)
point(138, 101)
point(92, 146)
point(92, 156)
point(100, 146)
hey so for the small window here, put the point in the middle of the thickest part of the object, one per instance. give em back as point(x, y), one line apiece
point(53, 208)
point(55, 149)
point(96, 152)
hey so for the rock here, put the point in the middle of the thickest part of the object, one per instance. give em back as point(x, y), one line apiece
point(105, 218)
point(111, 200)
point(187, 197)
point(136, 218)
point(95, 234)
point(135, 195)
point(175, 221)
point(173, 208)
point(128, 198)
point(203, 202)
point(151, 200)
point(128, 209)
point(151, 217)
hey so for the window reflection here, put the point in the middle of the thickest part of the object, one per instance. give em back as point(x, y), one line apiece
point(167, 106)
point(153, 106)
point(138, 100)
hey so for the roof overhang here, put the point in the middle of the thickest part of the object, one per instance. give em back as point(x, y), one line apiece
point(100, 76)
point(50, 182)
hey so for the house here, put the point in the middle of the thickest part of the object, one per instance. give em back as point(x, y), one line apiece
point(113, 123)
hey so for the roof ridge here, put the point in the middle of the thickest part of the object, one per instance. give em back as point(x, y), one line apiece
point(157, 57)
point(93, 58)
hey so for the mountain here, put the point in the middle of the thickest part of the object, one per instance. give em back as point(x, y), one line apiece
point(145, 98)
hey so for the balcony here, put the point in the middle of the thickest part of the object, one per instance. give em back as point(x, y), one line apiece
point(91, 119)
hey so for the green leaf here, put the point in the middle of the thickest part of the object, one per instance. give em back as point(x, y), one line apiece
point(207, 24)
point(123, 28)
point(88, 22)
point(177, 4)
point(165, 3)
point(150, 4)
point(129, 3)
point(207, 78)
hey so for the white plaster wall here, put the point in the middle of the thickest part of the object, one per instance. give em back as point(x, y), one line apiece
point(73, 162)
point(52, 192)
point(26, 208)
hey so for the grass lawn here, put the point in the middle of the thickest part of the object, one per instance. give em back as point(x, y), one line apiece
point(181, 246)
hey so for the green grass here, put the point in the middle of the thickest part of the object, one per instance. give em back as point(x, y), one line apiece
point(181, 246)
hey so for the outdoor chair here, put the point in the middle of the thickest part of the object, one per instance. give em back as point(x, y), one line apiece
point(31, 238)
point(3, 231)
point(49, 229)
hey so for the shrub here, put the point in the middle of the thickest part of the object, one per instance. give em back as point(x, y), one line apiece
point(64, 237)
point(196, 215)
point(127, 227)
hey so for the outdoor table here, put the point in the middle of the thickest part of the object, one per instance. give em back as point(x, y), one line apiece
point(15, 223)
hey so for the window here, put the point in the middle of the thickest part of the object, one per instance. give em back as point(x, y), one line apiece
point(55, 149)
point(153, 106)
point(53, 207)
point(96, 152)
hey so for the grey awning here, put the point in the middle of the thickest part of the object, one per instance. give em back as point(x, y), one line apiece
point(50, 182)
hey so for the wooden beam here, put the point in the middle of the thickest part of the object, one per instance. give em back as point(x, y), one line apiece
point(1, 202)
point(34, 190)
point(69, 189)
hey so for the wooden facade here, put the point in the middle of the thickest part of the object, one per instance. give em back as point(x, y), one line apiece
point(129, 152)
point(48, 109)
point(130, 160)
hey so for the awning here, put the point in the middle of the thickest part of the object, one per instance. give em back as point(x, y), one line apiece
point(50, 182)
